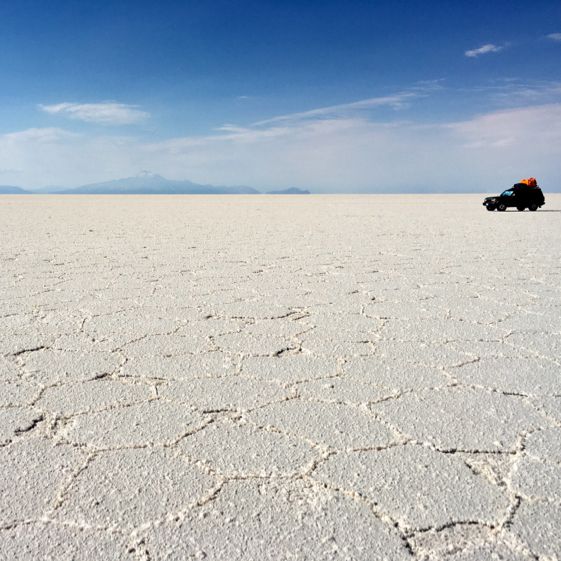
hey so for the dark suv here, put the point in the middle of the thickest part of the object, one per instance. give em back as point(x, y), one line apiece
point(519, 195)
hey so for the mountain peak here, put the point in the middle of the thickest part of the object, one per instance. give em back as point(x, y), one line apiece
point(147, 174)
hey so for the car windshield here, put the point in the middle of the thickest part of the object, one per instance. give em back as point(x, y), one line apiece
point(506, 193)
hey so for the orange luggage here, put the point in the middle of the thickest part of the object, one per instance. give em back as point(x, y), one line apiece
point(531, 182)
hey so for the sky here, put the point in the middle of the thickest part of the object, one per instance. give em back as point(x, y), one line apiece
point(332, 96)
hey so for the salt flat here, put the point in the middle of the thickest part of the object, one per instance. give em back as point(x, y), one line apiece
point(270, 378)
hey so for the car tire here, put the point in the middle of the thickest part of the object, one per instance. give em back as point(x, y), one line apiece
point(490, 208)
point(520, 208)
point(501, 207)
point(533, 207)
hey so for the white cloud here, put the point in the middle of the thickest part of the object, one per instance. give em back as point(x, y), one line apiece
point(109, 113)
point(484, 49)
point(554, 37)
point(521, 127)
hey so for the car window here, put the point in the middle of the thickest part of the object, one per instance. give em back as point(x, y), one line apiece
point(507, 193)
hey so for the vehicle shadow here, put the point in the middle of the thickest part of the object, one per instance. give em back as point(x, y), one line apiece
point(514, 211)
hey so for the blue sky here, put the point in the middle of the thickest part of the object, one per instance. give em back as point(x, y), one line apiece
point(330, 95)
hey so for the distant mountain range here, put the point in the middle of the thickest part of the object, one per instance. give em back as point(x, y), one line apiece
point(11, 190)
point(289, 191)
point(147, 183)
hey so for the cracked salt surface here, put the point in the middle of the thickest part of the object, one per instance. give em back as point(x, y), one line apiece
point(316, 378)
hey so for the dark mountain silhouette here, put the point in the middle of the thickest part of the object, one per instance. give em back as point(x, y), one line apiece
point(48, 190)
point(11, 190)
point(289, 191)
point(149, 183)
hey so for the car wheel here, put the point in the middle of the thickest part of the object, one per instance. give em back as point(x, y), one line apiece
point(501, 207)
point(521, 208)
point(490, 208)
point(533, 207)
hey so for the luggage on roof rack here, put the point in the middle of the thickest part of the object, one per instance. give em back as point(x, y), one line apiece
point(530, 182)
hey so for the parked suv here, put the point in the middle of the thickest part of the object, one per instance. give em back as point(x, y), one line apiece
point(520, 195)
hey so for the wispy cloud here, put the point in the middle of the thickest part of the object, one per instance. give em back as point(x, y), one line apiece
point(554, 37)
point(483, 50)
point(39, 135)
point(512, 92)
point(395, 101)
point(519, 93)
point(109, 113)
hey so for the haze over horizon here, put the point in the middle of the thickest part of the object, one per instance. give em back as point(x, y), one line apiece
point(322, 95)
